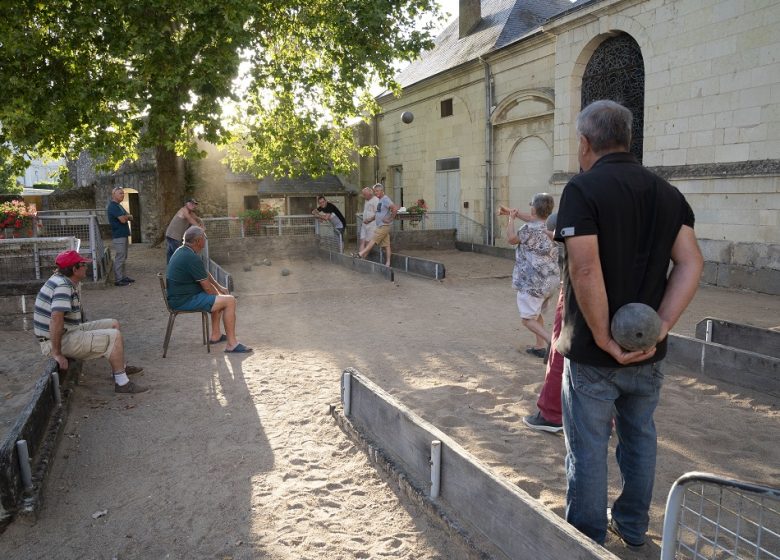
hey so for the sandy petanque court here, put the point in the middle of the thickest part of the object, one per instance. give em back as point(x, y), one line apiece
point(237, 457)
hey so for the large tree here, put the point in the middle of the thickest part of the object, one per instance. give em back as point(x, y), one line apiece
point(117, 77)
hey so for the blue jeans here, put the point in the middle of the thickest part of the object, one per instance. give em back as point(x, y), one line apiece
point(171, 245)
point(590, 397)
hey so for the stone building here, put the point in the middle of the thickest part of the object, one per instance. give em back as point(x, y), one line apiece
point(495, 102)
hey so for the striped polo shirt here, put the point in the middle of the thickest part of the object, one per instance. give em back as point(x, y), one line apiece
point(57, 294)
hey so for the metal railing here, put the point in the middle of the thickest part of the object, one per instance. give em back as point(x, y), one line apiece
point(97, 213)
point(711, 517)
point(83, 224)
point(467, 230)
point(232, 227)
point(32, 258)
point(221, 275)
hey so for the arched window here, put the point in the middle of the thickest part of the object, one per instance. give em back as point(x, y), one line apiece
point(616, 71)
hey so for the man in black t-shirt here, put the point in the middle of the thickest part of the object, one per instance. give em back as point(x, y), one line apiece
point(326, 211)
point(621, 225)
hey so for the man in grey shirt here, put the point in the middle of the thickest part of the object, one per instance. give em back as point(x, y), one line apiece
point(385, 214)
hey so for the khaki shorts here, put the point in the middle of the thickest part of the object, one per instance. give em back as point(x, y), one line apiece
point(88, 341)
point(382, 236)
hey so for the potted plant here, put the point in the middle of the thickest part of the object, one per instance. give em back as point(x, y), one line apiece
point(255, 219)
point(16, 219)
point(417, 211)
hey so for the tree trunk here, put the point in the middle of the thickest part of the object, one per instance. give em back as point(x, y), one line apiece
point(170, 188)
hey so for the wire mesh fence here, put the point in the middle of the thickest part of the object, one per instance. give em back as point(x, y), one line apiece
point(714, 518)
point(232, 227)
point(100, 215)
point(82, 224)
point(330, 238)
point(467, 230)
point(32, 258)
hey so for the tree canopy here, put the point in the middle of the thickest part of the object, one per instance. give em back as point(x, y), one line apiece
point(116, 77)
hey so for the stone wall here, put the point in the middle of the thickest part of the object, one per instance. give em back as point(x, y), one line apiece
point(431, 239)
point(255, 249)
point(139, 176)
point(749, 266)
point(76, 198)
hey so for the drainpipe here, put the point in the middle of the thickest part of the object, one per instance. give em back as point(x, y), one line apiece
point(376, 145)
point(490, 214)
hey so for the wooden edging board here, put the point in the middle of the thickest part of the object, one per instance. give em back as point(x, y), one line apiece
point(508, 517)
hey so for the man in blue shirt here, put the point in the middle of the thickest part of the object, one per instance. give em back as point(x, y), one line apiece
point(192, 288)
point(119, 220)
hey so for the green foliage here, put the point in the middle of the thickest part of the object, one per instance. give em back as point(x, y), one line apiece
point(419, 207)
point(264, 213)
point(116, 77)
point(254, 220)
point(64, 180)
point(12, 164)
point(8, 184)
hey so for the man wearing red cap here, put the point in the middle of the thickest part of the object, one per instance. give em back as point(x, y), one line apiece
point(57, 323)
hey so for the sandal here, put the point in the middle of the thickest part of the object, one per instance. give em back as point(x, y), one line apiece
point(222, 338)
point(239, 349)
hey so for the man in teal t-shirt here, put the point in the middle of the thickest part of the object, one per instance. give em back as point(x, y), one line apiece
point(192, 288)
point(119, 220)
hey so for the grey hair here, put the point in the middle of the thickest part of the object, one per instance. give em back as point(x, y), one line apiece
point(543, 203)
point(117, 189)
point(606, 124)
point(379, 186)
point(193, 233)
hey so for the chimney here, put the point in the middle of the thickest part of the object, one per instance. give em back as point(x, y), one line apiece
point(469, 15)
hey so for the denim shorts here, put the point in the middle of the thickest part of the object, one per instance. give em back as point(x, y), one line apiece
point(199, 302)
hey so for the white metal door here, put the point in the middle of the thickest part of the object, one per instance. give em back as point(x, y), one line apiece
point(448, 191)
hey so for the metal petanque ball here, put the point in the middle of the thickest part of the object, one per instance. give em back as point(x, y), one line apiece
point(636, 326)
point(285, 272)
point(552, 220)
point(407, 117)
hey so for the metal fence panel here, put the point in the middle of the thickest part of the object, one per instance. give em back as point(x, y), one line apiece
point(83, 224)
point(709, 517)
point(232, 227)
point(32, 258)
point(468, 230)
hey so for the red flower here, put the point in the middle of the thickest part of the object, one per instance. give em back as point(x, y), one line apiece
point(18, 224)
